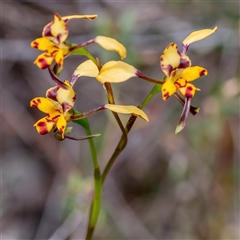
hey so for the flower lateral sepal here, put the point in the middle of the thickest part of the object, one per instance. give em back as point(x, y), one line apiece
point(59, 137)
point(196, 36)
point(183, 119)
point(127, 109)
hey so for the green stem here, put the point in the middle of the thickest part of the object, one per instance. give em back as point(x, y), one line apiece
point(95, 207)
point(111, 100)
point(96, 202)
point(122, 142)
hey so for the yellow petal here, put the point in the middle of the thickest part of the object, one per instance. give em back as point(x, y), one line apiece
point(193, 73)
point(89, 17)
point(112, 45)
point(115, 72)
point(189, 90)
point(61, 125)
point(59, 58)
point(59, 29)
point(87, 68)
point(42, 43)
point(175, 74)
point(181, 82)
point(47, 29)
point(127, 110)
point(43, 104)
point(172, 59)
point(168, 89)
point(198, 35)
point(44, 125)
point(44, 60)
point(66, 97)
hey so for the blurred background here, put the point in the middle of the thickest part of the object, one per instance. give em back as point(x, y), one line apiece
point(163, 186)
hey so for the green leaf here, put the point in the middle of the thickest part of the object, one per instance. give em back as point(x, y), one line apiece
point(85, 52)
point(83, 122)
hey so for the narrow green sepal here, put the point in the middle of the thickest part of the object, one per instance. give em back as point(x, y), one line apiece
point(68, 130)
point(81, 137)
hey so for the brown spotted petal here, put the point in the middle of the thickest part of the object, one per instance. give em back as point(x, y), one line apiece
point(193, 73)
point(57, 29)
point(189, 90)
point(172, 59)
point(66, 97)
point(44, 125)
point(44, 60)
point(61, 125)
point(43, 104)
point(52, 93)
point(47, 30)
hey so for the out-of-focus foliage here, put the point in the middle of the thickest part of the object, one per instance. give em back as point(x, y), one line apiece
point(163, 186)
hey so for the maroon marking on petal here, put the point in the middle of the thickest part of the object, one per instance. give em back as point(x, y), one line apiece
point(74, 98)
point(43, 63)
point(188, 93)
point(36, 102)
point(178, 85)
point(166, 95)
point(203, 72)
point(170, 45)
point(59, 37)
point(47, 30)
point(55, 51)
point(184, 63)
point(179, 54)
point(58, 16)
point(66, 107)
point(53, 94)
point(42, 128)
point(55, 118)
point(167, 68)
point(62, 129)
point(35, 44)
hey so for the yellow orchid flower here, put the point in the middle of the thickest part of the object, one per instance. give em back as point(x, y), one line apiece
point(53, 40)
point(179, 73)
point(56, 105)
point(177, 68)
point(112, 71)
